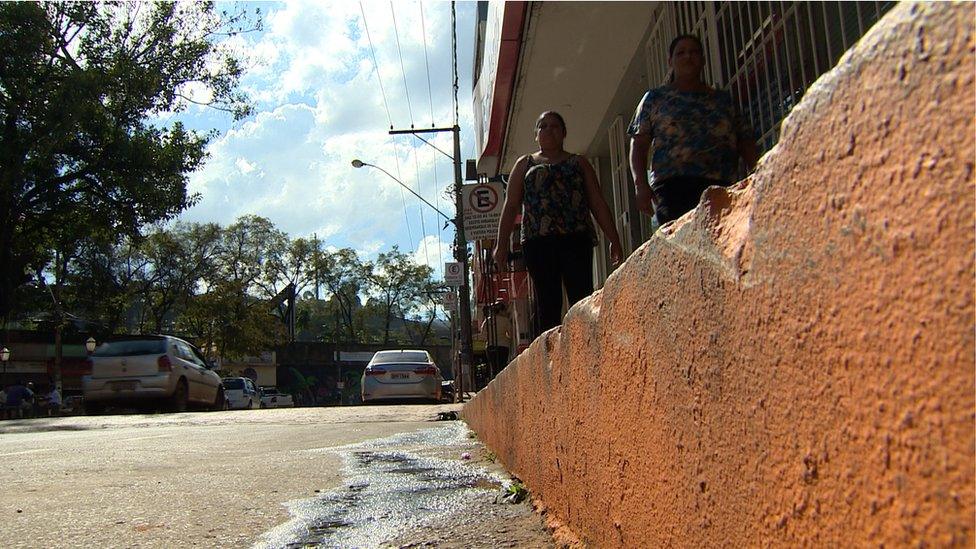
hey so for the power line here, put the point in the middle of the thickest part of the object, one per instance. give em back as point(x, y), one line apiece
point(430, 94)
point(376, 67)
point(406, 88)
point(437, 201)
point(403, 202)
point(423, 225)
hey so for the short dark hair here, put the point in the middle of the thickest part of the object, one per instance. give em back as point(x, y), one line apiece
point(552, 113)
point(679, 38)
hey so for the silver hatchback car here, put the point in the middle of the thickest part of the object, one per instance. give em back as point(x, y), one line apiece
point(148, 370)
point(408, 374)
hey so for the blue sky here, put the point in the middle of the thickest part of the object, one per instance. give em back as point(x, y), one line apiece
point(319, 105)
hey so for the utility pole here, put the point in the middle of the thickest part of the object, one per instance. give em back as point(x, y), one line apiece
point(460, 249)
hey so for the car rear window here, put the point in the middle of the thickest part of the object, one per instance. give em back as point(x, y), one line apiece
point(234, 383)
point(400, 356)
point(131, 347)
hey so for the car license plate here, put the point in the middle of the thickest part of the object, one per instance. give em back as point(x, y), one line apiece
point(123, 385)
point(399, 375)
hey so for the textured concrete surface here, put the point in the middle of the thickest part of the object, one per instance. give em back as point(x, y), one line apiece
point(224, 479)
point(793, 362)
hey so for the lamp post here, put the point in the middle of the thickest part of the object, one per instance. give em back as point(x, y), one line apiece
point(460, 245)
point(90, 345)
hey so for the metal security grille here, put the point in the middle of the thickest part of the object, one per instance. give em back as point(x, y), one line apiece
point(771, 52)
point(765, 53)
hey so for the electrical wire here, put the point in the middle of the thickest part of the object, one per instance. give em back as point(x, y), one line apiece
point(430, 94)
point(403, 201)
point(437, 202)
point(376, 66)
point(423, 225)
point(406, 88)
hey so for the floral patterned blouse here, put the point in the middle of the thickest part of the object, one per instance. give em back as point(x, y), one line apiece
point(693, 134)
point(554, 200)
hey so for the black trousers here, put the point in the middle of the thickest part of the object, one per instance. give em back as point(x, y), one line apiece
point(680, 195)
point(553, 262)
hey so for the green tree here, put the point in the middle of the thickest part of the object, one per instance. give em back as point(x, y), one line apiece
point(343, 275)
point(425, 303)
point(396, 282)
point(182, 258)
point(80, 86)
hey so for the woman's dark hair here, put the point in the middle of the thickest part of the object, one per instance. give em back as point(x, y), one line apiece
point(552, 113)
point(679, 38)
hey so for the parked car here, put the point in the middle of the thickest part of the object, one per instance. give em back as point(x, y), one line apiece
point(241, 393)
point(273, 398)
point(150, 370)
point(408, 374)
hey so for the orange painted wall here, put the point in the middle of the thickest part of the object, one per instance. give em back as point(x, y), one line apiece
point(793, 364)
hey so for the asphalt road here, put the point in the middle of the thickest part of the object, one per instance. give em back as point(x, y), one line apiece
point(203, 479)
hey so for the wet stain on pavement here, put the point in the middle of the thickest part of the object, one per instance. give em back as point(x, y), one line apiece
point(393, 485)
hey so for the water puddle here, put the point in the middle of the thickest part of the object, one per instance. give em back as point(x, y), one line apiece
point(393, 485)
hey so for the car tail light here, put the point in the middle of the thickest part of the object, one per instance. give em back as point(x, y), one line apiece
point(374, 371)
point(164, 364)
point(426, 370)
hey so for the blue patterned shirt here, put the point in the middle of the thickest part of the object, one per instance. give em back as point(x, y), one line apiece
point(554, 200)
point(693, 134)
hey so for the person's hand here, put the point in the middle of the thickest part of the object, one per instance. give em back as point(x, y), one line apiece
point(645, 199)
point(616, 254)
point(500, 256)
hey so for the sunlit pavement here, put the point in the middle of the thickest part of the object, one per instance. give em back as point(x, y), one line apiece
point(271, 477)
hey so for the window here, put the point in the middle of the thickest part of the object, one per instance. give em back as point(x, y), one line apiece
point(131, 347)
point(234, 383)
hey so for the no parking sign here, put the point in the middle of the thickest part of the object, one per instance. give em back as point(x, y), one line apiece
point(482, 209)
point(452, 273)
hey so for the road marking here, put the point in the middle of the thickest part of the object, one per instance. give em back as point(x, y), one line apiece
point(26, 452)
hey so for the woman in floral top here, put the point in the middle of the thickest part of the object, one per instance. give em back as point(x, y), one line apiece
point(694, 134)
point(556, 191)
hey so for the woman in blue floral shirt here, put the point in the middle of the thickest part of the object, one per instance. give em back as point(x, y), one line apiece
point(556, 192)
point(693, 133)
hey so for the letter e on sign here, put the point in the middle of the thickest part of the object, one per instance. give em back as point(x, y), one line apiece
point(483, 199)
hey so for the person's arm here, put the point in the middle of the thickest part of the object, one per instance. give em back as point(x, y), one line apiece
point(513, 203)
point(640, 145)
point(601, 212)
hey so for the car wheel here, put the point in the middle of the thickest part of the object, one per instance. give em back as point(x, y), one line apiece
point(220, 403)
point(180, 397)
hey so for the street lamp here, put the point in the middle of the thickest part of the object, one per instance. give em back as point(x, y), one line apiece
point(359, 164)
point(90, 345)
point(460, 247)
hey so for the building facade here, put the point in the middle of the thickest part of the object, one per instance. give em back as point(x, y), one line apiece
point(593, 61)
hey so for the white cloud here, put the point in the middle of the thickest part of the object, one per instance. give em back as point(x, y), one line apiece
point(319, 106)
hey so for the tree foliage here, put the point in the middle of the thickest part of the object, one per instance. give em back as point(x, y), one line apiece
point(396, 282)
point(215, 285)
point(81, 85)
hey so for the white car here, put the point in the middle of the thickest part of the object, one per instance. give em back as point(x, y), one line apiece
point(403, 374)
point(146, 371)
point(272, 398)
point(241, 393)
